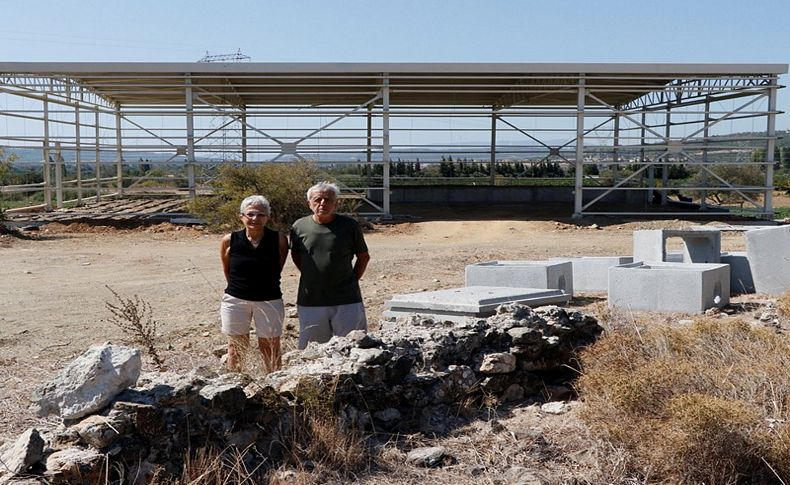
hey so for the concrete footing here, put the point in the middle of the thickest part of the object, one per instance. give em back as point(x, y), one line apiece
point(458, 304)
point(768, 252)
point(699, 246)
point(556, 275)
point(591, 273)
point(669, 287)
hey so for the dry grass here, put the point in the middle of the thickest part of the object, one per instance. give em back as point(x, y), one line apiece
point(705, 403)
point(783, 305)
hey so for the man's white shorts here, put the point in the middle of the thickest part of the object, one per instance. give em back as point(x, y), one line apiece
point(237, 315)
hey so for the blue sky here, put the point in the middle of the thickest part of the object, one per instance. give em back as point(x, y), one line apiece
point(722, 31)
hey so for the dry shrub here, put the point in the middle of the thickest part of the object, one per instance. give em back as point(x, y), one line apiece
point(316, 442)
point(704, 403)
point(207, 466)
point(783, 305)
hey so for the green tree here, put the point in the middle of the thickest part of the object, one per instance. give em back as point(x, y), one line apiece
point(736, 175)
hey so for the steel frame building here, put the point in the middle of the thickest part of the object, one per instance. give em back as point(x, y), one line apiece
point(634, 121)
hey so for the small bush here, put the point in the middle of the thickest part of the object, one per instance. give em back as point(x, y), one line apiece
point(706, 403)
point(284, 185)
point(135, 317)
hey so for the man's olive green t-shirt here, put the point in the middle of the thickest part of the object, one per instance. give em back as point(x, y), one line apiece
point(327, 252)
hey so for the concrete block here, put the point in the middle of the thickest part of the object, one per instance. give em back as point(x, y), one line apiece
point(699, 246)
point(669, 287)
point(556, 275)
point(591, 273)
point(457, 304)
point(741, 280)
point(768, 251)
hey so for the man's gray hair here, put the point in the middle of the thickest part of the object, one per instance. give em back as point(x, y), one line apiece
point(256, 200)
point(322, 187)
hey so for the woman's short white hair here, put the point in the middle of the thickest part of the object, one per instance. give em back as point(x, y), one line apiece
point(322, 187)
point(256, 200)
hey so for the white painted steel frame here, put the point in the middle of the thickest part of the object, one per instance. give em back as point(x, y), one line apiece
point(612, 108)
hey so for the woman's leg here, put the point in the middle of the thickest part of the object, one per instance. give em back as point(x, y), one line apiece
point(270, 351)
point(237, 345)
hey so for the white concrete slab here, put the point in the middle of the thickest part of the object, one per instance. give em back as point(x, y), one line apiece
point(457, 304)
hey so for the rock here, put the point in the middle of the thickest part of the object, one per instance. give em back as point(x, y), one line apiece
point(387, 418)
point(75, 465)
point(89, 382)
point(514, 392)
point(429, 457)
point(101, 431)
point(370, 356)
point(292, 312)
point(554, 407)
point(499, 363)
point(229, 398)
point(219, 351)
point(20, 455)
point(519, 475)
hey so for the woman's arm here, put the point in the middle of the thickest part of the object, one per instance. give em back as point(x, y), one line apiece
point(224, 255)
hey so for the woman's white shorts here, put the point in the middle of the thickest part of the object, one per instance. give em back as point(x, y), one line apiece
point(238, 315)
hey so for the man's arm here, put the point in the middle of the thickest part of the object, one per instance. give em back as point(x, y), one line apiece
point(361, 264)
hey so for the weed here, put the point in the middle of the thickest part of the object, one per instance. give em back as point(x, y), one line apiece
point(135, 317)
point(691, 404)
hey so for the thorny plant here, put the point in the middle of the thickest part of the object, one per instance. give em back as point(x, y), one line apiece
point(135, 317)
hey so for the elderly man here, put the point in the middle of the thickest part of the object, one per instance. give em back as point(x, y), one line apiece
point(330, 252)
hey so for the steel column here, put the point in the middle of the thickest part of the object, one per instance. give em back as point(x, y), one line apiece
point(118, 150)
point(770, 146)
point(78, 152)
point(664, 165)
point(98, 157)
point(243, 119)
point(47, 167)
point(579, 174)
point(385, 140)
point(190, 115)
point(58, 176)
point(492, 159)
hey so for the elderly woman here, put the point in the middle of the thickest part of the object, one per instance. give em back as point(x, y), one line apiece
point(252, 259)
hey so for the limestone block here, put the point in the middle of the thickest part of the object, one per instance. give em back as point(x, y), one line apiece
point(768, 252)
point(75, 465)
point(18, 456)
point(89, 382)
point(669, 287)
point(591, 273)
point(556, 275)
point(498, 363)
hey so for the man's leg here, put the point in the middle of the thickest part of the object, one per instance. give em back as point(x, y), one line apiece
point(347, 318)
point(314, 324)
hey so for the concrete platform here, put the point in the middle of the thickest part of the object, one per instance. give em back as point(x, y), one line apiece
point(768, 252)
point(591, 273)
point(669, 287)
point(458, 304)
point(556, 275)
point(699, 245)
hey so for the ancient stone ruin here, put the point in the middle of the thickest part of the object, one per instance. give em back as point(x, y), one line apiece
point(406, 378)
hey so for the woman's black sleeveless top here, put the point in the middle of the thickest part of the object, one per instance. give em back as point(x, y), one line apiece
point(254, 272)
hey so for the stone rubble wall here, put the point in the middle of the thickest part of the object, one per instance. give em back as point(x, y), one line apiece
point(404, 378)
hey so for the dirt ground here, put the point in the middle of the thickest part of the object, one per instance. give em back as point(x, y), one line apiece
point(53, 287)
